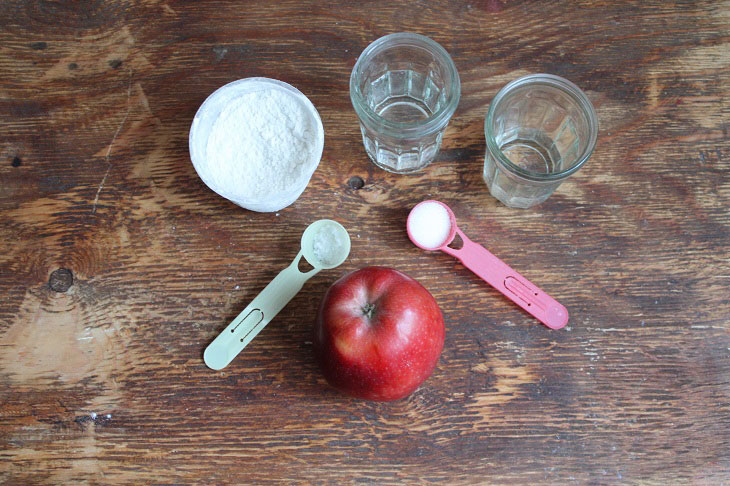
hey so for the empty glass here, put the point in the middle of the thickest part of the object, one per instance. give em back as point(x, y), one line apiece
point(540, 130)
point(404, 88)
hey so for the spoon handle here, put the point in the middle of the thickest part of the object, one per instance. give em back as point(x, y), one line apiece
point(513, 285)
point(246, 326)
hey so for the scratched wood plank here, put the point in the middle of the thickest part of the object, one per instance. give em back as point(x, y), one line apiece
point(102, 381)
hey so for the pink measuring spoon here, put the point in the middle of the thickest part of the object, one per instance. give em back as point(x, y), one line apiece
point(440, 233)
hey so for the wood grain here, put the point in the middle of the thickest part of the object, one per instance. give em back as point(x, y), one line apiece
point(105, 384)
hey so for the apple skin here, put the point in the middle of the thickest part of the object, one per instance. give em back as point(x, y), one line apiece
point(378, 334)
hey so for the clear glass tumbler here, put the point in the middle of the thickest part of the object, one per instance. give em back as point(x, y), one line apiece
point(540, 130)
point(404, 88)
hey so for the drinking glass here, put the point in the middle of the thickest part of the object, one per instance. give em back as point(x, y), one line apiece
point(404, 88)
point(540, 130)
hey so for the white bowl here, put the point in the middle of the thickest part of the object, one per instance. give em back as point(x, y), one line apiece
point(203, 124)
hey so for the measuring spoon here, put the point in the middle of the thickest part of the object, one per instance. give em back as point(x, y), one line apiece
point(276, 295)
point(493, 270)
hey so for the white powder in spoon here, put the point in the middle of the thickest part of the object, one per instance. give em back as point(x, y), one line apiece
point(327, 245)
point(261, 144)
point(429, 225)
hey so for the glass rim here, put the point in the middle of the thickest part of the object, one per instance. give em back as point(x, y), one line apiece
point(566, 87)
point(435, 121)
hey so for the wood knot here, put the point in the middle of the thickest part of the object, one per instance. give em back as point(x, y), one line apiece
point(61, 280)
point(356, 182)
point(16, 162)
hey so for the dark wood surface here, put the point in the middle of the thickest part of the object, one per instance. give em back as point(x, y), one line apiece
point(102, 379)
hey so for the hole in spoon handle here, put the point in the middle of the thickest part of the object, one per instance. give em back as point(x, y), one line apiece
point(549, 311)
point(513, 285)
point(264, 307)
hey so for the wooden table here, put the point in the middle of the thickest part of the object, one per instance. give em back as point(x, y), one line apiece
point(119, 265)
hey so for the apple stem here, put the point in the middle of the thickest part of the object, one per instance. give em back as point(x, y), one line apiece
point(368, 309)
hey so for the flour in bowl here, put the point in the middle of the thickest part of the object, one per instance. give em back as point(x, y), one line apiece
point(261, 144)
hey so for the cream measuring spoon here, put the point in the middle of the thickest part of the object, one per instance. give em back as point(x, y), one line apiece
point(432, 226)
point(325, 245)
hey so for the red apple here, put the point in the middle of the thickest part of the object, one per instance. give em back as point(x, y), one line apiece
point(378, 334)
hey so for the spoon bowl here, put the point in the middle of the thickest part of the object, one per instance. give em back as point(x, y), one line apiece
point(334, 232)
point(415, 218)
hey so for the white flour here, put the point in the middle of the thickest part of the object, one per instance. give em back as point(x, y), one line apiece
point(260, 144)
point(327, 245)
